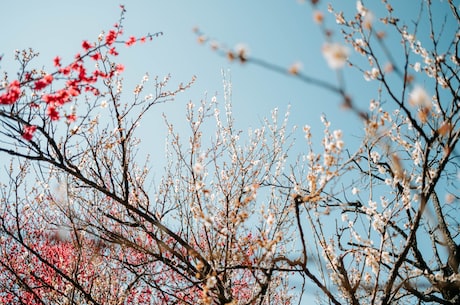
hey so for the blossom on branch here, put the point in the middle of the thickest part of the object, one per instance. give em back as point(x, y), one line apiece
point(111, 37)
point(29, 132)
point(131, 41)
point(12, 94)
point(43, 82)
point(86, 45)
point(335, 54)
point(420, 98)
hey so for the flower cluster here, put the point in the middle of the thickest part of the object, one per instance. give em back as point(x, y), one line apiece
point(76, 77)
point(12, 94)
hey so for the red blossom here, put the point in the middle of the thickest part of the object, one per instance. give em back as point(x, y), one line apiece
point(57, 61)
point(58, 98)
point(73, 91)
point(12, 94)
point(78, 77)
point(77, 67)
point(99, 73)
point(65, 71)
point(113, 51)
point(91, 80)
point(86, 45)
point(120, 68)
point(28, 132)
point(62, 96)
point(71, 118)
point(96, 56)
point(48, 78)
point(52, 112)
point(131, 41)
point(111, 37)
point(43, 82)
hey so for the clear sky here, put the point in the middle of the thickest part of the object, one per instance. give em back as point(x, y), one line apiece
point(281, 31)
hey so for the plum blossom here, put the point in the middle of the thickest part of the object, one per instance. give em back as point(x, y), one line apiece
point(43, 82)
point(270, 219)
point(57, 61)
point(111, 37)
point(371, 75)
point(29, 132)
point(52, 112)
point(368, 20)
point(198, 168)
point(339, 18)
point(86, 45)
point(13, 92)
point(420, 98)
point(335, 54)
point(360, 8)
point(375, 156)
point(131, 41)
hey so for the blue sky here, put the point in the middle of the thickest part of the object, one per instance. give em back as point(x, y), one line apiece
point(278, 31)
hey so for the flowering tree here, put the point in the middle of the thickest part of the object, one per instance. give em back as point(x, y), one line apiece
point(393, 201)
point(232, 219)
point(79, 224)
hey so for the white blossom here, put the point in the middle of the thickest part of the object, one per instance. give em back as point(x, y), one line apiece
point(419, 97)
point(335, 54)
point(339, 18)
point(270, 219)
point(360, 8)
point(368, 20)
point(375, 156)
point(373, 105)
point(354, 191)
point(198, 168)
point(338, 134)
